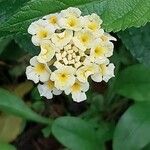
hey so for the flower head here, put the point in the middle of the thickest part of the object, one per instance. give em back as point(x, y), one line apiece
point(74, 48)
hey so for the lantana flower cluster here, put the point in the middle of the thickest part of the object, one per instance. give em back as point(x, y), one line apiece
point(74, 48)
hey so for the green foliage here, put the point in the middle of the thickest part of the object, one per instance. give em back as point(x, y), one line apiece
point(11, 104)
point(24, 41)
point(4, 146)
point(117, 15)
point(76, 134)
point(137, 42)
point(134, 82)
point(132, 131)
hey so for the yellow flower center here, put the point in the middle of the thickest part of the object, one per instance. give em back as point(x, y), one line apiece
point(72, 21)
point(50, 84)
point(42, 34)
point(93, 26)
point(53, 20)
point(104, 38)
point(40, 68)
point(63, 78)
point(103, 68)
point(99, 51)
point(76, 87)
point(85, 38)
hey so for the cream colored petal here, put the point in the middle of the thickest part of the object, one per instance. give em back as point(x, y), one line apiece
point(33, 61)
point(68, 91)
point(85, 86)
point(33, 28)
point(44, 76)
point(97, 77)
point(56, 91)
point(35, 40)
point(110, 72)
point(31, 75)
point(47, 52)
point(79, 97)
point(71, 11)
point(44, 91)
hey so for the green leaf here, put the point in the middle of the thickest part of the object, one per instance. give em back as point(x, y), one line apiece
point(147, 147)
point(4, 43)
point(137, 42)
point(76, 134)
point(4, 146)
point(46, 131)
point(132, 131)
point(116, 14)
point(122, 14)
point(24, 41)
point(8, 8)
point(134, 82)
point(9, 103)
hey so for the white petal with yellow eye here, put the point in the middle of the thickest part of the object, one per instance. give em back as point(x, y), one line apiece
point(62, 39)
point(83, 39)
point(47, 52)
point(71, 23)
point(84, 72)
point(92, 22)
point(52, 19)
point(40, 30)
point(63, 77)
point(37, 71)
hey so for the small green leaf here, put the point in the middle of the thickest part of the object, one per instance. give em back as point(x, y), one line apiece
point(134, 82)
point(46, 131)
point(9, 103)
point(137, 42)
point(132, 131)
point(76, 134)
point(4, 146)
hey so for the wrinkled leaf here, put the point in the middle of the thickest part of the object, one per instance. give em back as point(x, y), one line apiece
point(132, 131)
point(116, 14)
point(76, 134)
point(137, 41)
point(134, 82)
